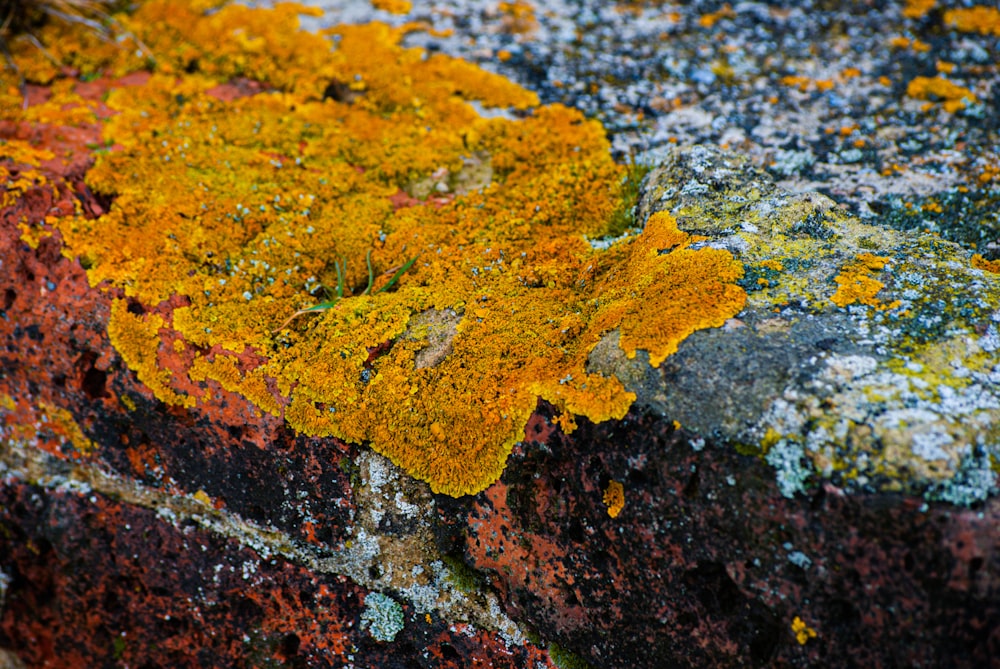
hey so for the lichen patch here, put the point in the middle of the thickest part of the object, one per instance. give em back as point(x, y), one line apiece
point(232, 212)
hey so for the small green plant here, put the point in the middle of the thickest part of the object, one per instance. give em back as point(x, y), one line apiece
point(341, 268)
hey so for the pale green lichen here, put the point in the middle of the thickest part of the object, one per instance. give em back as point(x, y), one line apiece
point(791, 468)
point(382, 617)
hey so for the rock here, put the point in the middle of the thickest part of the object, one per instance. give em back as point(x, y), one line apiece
point(708, 564)
point(808, 485)
point(870, 354)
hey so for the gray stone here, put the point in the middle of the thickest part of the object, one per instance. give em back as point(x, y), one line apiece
point(871, 351)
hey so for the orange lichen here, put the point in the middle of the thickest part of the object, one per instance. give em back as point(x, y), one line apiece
point(805, 84)
point(917, 9)
point(518, 17)
point(979, 262)
point(614, 498)
point(797, 81)
point(855, 283)
point(952, 96)
point(137, 339)
point(231, 212)
point(709, 20)
point(393, 6)
point(906, 43)
point(19, 163)
point(980, 19)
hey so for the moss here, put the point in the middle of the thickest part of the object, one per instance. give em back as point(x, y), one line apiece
point(231, 211)
point(566, 659)
point(623, 216)
point(464, 577)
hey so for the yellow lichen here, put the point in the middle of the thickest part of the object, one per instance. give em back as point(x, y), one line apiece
point(709, 20)
point(855, 283)
point(137, 339)
point(614, 498)
point(952, 96)
point(231, 212)
point(979, 262)
point(518, 17)
point(917, 9)
point(980, 19)
point(202, 496)
point(802, 631)
point(917, 45)
point(20, 158)
point(393, 6)
point(61, 422)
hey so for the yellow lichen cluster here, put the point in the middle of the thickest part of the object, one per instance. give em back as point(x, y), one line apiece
point(393, 6)
point(614, 498)
point(236, 205)
point(19, 163)
point(979, 262)
point(855, 283)
point(917, 9)
point(980, 19)
point(952, 96)
point(900, 42)
point(61, 422)
point(802, 631)
point(709, 20)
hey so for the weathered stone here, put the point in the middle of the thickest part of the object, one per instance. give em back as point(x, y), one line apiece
point(709, 565)
point(869, 353)
point(136, 532)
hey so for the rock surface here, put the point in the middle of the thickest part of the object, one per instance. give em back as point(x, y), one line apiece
point(871, 353)
point(809, 485)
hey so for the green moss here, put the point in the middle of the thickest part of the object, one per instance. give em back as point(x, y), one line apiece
point(566, 659)
point(118, 647)
point(464, 577)
point(623, 216)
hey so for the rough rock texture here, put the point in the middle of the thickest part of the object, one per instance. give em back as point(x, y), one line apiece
point(809, 485)
point(708, 564)
point(871, 352)
point(137, 533)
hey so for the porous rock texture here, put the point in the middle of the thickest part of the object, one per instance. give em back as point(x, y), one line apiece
point(809, 485)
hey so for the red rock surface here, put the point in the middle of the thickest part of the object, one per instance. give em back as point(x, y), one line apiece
point(89, 579)
point(97, 582)
point(702, 568)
